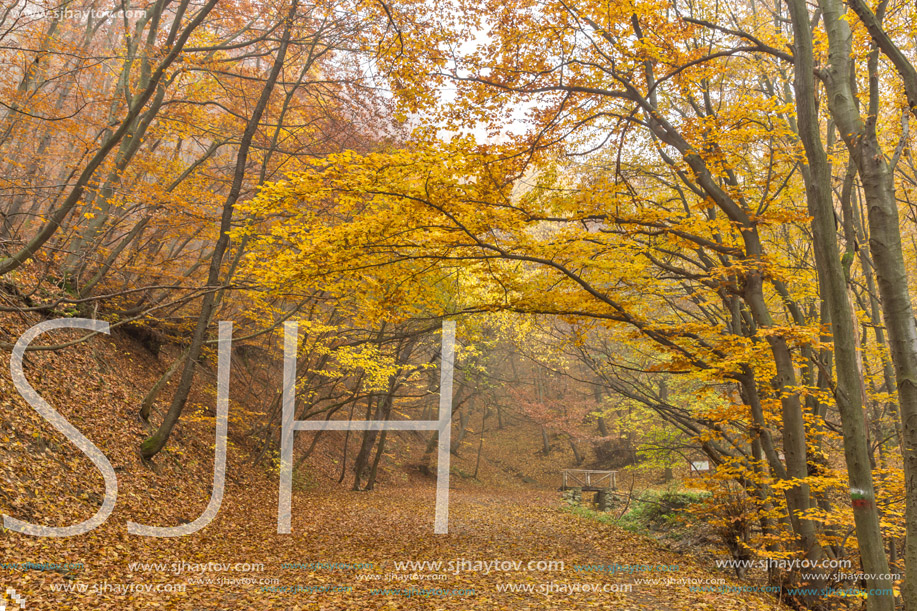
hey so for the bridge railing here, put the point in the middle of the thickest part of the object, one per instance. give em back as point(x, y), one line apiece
point(588, 479)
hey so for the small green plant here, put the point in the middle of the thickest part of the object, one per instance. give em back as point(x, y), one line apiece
point(303, 479)
point(602, 517)
point(652, 511)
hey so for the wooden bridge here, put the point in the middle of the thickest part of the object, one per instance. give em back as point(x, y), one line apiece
point(588, 480)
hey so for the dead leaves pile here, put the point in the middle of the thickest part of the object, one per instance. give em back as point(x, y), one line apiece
point(98, 386)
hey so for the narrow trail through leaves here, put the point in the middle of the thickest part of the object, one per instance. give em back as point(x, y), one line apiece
point(350, 528)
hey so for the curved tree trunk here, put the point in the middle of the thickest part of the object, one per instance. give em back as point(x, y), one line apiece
point(152, 445)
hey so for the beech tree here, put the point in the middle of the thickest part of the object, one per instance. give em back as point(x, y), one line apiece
point(656, 204)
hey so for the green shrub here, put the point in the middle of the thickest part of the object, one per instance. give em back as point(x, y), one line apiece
point(658, 510)
point(650, 511)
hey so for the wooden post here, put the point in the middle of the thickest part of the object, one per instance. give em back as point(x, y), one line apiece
point(601, 500)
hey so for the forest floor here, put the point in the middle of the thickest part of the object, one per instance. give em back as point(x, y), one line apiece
point(353, 537)
point(340, 540)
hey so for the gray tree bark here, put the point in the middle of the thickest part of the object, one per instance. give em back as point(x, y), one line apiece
point(862, 142)
point(832, 279)
point(152, 445)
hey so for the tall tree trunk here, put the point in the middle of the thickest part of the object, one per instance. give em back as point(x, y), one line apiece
point(849, 393)
point(353, 406)
point(464, 417)
point(477, 462)
point(862, 142)
point(371, 481)
point(149, 399)
point(152, 445)
point(359, 464)
point(577, 455)
point(545, 442)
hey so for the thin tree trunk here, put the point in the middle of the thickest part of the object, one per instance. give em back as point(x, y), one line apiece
point(463, 418)
point(110, 142)
point(157, 441)
point(147, 404)
point(477, 462)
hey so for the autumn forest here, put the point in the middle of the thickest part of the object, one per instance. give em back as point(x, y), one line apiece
point(518, 304)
